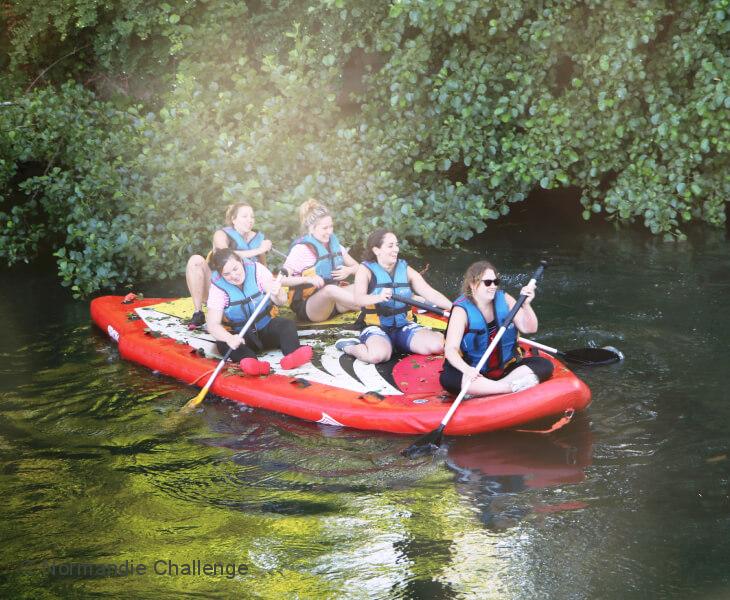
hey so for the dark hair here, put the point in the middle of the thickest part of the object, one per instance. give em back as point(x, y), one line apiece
point(375, 240)
point(221, 257)
point(474, 274)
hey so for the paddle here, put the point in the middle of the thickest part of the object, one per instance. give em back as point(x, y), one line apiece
point(582, 356)
point(587, 357)
point(275, 251)
point(193, 402)
point(429, 307)
point(431, 441)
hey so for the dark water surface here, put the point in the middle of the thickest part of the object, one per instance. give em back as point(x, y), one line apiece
point(629, 501)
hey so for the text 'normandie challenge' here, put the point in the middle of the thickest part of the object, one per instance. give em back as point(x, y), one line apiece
point(163, 567)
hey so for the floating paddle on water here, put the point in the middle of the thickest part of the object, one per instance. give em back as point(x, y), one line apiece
point(193, 402)
point(431, 441)
point(582, 356)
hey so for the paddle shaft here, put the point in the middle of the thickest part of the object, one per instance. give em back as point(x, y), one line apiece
point(259, 307)
point(492, 346)
point(567, 356)
point(445, 313)
point(275, 251)
point(540, 346)
point(429, 307)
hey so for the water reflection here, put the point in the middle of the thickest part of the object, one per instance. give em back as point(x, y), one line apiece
point(496, 472)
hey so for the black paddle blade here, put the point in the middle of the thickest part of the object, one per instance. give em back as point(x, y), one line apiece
point(427, 444)
point(593, 356)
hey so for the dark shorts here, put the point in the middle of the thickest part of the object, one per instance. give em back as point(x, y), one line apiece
point(450, 378)
point(299, 307)
point(400, 337)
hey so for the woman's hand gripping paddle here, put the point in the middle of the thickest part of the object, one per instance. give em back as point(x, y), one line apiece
point(431, 441)
point(193, 402)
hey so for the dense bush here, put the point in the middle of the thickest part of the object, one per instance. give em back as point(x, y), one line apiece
point(431, 118)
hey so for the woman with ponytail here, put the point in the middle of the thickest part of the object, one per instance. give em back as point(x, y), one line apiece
point(318, 267)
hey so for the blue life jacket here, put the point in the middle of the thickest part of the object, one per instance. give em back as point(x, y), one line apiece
point(241, 244)
point(243, 301)
point(329, 258)
point(476, 337)
point(391, 313)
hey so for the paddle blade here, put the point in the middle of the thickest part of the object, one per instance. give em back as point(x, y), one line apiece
point(593, 356)
point(193, 402)
point(427, 444)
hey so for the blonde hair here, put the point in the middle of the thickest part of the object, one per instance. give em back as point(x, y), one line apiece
point(473, 276)
point(310, 212)
point(233, 209)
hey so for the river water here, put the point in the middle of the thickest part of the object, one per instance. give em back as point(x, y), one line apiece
point(631, 500)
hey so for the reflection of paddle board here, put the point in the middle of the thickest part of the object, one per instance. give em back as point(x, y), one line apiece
point(537, 460)
point(499, 472)
point(401, 396)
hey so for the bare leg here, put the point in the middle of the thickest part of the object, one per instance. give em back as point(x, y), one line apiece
point(375, 350)
point(426, 341)
point(321, 304)
point(197, 276)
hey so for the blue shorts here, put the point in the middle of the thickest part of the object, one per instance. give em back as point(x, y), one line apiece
point(400, 337)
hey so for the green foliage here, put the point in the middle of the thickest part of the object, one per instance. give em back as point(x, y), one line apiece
point(77, 204)
point(430, 118)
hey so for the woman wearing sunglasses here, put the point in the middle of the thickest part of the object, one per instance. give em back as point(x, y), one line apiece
point(475, 318)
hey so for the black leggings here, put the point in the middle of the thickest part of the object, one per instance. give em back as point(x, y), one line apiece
point(279, 333)
point(450, 378)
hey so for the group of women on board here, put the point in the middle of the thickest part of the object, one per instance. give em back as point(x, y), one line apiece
point(234, 280)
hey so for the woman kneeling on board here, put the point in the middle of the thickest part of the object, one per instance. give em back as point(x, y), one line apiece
point(388, 322)
point(475, 318)
point(237, 286)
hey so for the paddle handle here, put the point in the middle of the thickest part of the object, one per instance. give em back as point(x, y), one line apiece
point(500, 332)
point(540, 346)
point(429, 307)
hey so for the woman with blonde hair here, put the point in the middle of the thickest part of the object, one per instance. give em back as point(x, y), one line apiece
point(239, 236)
point(318, 267)
point(475, 318)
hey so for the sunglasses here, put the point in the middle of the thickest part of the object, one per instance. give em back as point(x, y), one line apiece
point(488, 282)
